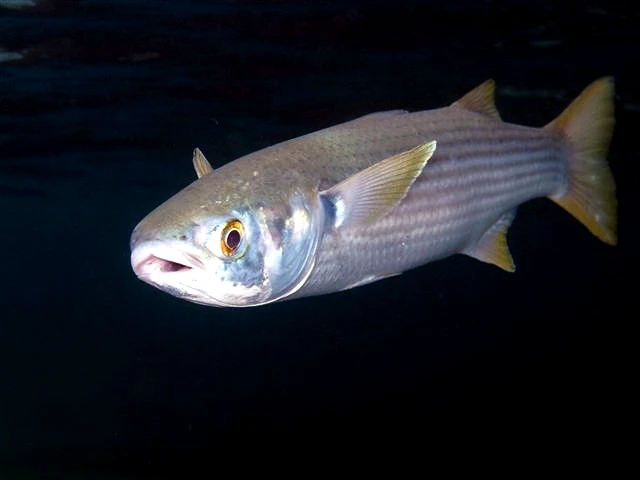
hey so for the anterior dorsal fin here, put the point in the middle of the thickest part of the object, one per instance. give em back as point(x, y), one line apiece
point(200, 163)
point(373, 192)
point(492, 246)
point(481, 100)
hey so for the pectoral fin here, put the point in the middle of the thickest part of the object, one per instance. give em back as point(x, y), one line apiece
point(492, 247)
point(370, 279)
point(373, 192)
point(201, 164)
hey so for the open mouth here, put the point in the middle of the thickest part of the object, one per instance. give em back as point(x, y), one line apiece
point(157, 264)
point(153, 258)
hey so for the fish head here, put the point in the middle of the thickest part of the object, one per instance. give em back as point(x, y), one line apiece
point(230, 239)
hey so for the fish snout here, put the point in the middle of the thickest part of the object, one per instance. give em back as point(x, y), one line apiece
point(151, 260)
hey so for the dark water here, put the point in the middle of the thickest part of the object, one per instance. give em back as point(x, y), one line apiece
point(101, 104)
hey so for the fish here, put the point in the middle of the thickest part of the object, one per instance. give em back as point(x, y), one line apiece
point(374, 197)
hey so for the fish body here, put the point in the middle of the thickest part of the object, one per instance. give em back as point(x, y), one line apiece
point(374, 197)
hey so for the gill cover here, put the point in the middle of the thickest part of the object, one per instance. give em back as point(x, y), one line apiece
point(275, 256)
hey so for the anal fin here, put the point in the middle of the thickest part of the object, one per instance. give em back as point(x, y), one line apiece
point(492, 246)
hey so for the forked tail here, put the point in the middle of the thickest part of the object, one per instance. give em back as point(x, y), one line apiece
point(587, 126)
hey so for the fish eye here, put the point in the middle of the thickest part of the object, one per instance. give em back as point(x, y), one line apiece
point(231, 237)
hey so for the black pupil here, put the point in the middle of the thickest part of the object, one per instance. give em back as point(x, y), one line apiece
point(233, 239)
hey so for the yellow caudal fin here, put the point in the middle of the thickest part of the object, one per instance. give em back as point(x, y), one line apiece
point(587, 126)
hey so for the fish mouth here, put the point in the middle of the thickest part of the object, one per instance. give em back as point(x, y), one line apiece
point(154, 263)
point(184, 270)
point(175, 267)
point(155, 260)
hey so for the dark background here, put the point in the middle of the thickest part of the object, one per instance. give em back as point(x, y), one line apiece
point(101, 104)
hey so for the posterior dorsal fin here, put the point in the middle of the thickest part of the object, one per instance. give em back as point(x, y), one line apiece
point(382, 115)
point(373, 192)
point(200, 163)
point(492, 247)
point(481, 100)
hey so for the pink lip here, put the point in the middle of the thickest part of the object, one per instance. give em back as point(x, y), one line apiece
point(157, 257)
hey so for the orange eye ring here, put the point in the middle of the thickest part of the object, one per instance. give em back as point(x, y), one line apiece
point(231, 237)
